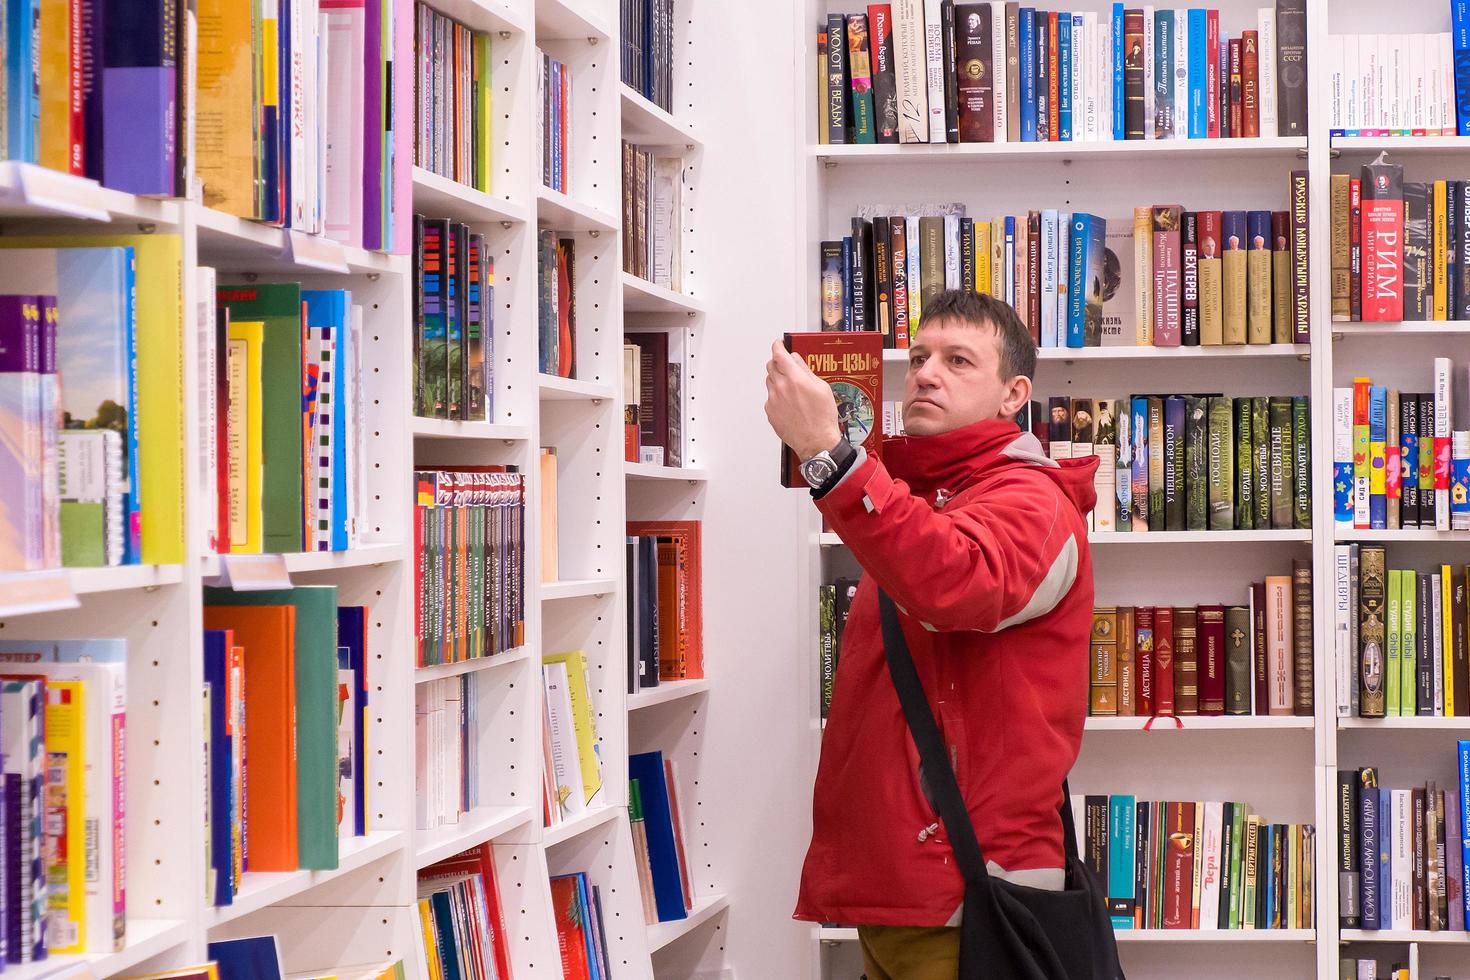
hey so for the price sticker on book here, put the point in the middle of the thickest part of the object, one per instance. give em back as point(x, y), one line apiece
point(316, 252)
point(36, 592)
point(252, 573)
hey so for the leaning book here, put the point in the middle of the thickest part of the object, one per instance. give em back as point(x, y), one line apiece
point(852, 363)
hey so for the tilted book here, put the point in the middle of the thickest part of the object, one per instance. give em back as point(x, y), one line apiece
point(852, 364)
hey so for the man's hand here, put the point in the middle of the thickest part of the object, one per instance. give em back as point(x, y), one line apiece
point(799, 405)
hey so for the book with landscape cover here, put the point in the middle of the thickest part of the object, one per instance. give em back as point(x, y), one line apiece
point(852, 363)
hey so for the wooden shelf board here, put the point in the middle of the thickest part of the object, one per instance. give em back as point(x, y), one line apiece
point(642, 296)
point(577, 588)
point(474, 828)
point(259, 889)
point(648, 124)
point(570, 389)
point(454, 429)
point(650, 471)
point(577, 826)
point(706, 908)
point(556, 210)
point(434, 672)
point(879, 154)
point(440, 197)
point(667, 691)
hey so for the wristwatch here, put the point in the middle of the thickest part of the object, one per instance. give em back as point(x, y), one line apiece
point(825, 467)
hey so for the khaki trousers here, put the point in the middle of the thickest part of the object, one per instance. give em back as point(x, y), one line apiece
point(910, 952)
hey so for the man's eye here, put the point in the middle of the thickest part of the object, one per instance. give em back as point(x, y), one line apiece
point(916, 361)
point(958, 360)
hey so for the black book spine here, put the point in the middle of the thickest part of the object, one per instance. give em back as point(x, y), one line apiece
point(1453, 190)
point(836, 79)
point(859, 265)
point(1408, 460)
point(1291, 67)
point(951, 78)
point(1418, 275)
point(1189, 307)
point(1423, 650)
point(885, 81)
point(1043, 75)
point(967, 254)
point(883, 280)
point(1462, 252)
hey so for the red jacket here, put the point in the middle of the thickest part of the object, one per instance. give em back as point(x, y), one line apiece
point(995, 585)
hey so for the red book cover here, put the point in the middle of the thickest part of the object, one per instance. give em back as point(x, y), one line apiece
point(567, 908)
point(1383, 241)
point(678, 822)
point(852, 363)
point(680, 600)
point(76, 151)
point(1053, 76)
point(1143, 652)
point(1258, 649)
point(565, 312)
point(1168, 262)
point(1237, 123)
point(1164, 660)
point(1179, 866)
point(1212, 73)
point(478, 860)
point(1355, 247)
point(1250, 84)
point(1212, 660)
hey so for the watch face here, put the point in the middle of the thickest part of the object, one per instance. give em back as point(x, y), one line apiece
point(818, 470)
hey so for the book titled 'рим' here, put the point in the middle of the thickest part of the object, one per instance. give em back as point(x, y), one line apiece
point(852, 363)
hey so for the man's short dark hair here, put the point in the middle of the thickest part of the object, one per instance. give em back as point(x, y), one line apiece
point(1017, 349)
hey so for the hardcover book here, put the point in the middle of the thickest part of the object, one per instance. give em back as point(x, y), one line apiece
point(852, 363)
point(1383, 242)
point(1258, 277)
point(1233, 276)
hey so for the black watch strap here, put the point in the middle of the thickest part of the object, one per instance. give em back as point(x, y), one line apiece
point(843, 455)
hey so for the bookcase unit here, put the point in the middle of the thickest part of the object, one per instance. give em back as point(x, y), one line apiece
point(364, 910)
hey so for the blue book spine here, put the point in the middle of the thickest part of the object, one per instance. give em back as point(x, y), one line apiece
point(132, 501)
point(668, 891)
point(351, 635)
point(1460, 42)
point(1140, 445)
point(1064, 83)
point(584, 899)
point(1199, 126)
point(328, 308)
point(1463, 816)
point(1368, 831)
point(1377, 434)
point(22, 79)
point(1385, 848)
point(1121, 853)
point(847, 322)
point(1027, 45)
point(1010, 259)
point(1077, 243)
point(1119, 101)
point(221, 781)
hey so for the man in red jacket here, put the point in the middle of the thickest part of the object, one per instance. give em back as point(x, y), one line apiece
point(981, 541)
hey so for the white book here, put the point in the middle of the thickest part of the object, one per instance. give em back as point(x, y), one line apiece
point(1383, 82)
point(1433, 89)
point(934, 74)
point(1266, 90)
point(667, 202)
point(1064, 261)
point(1103, 515)
point(1148, 74)
point(1443, 406)
point(999, 77)
point(1401, 859)
point(1447, 80)
point(90, 474)
point(1211, 845)
point(951, 251)
point(911, 246)
point(1398, 114)
point(1079, 86)
point(343, 30)
point(1181, 74)
point(1091, 60)
point(565, 760)
point(1342, 434)
point(204, 314)
point(1345, 660)
point(296, 118)
point(1352, 86)
point(1368, 69)
point(911, 68)
point(313, 92)
point(1418, 87)
point(1048, 278)
point(1105, 80)
point(1335, 80)
point(357, 488)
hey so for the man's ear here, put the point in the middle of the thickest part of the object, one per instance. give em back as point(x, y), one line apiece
point(1017, 394)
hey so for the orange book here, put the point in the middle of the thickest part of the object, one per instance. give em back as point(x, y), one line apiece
point(549, 549)
point(680, 597)
point(571, 938)
point(268, 634)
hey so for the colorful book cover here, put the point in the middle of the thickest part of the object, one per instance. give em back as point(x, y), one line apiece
point(589, 748)
point(139, 89)
point(852, 363)
point(22, 531)
point(327, 310)
point(23, 714)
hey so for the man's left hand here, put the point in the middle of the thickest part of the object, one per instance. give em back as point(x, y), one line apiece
point(799, 405)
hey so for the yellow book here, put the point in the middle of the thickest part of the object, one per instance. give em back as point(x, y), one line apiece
point(1441, 290)
point(66, 869)
point(588, 751)
point(54, 132)
point(1143, 263)
point(998, 258)
point(549, 547)
point(245, 448)
point(204, 971)
point(268, 84)
point(483, 124)
point(431, 944)
point(982, 257)
point(159, 338)
point(1446, 632)
point(225, 113)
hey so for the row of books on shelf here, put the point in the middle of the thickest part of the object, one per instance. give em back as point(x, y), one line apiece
point(1399, 636)
point(556, 320)
point(294, 117)
point(980, 72)
point(1396, 462)
point(1180, 278)
point(1398, 84)
point(1196, 864)
point(282, 441)
point(453, 97)
point(461, 918)
point(453, 322)
point(581, 927)
point(91, 401)
point(446, 750)
point(259, 958)
point(1364, 968)
point(572, 763)
point(665, 615)
point(653, 398)
point(1186, 462)
point(1400, 250)
point(653, 196)
point(646, 47)
point(554, 124)
point(286, 674)
point(1400, 860)
point(469, 558)
point(658, 838)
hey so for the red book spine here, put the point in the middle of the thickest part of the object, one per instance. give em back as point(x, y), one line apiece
point(1250, 84)
point(1262, 700)
point(1053, 75)
point(1355, 237)
point(1237, 123)
point(1211, 660)
point(1179, 866)
point(1383, 242)
point(1212, 73)
point(76, 154)
point(1164, 660)
point(1143, 650)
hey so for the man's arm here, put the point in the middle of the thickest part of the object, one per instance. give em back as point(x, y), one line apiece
point(986, 566)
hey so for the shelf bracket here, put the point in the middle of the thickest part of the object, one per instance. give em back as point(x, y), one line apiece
point(505, 35)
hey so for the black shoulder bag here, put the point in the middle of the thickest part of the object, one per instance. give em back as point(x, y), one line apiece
point(1008, 931)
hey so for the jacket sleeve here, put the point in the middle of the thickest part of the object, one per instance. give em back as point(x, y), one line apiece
point(993, 563)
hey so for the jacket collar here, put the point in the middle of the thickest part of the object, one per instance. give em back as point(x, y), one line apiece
point(951, 460)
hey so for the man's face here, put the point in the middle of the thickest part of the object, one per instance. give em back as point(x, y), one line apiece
point(954, 379)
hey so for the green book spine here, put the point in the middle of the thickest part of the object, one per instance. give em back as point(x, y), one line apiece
point(1196, 455)
point(1237, 855)
point(1157, 451)
point(83, 531)
point(1261, 470)
point(635, 801)
point(1393, 678)
point(1408, 647)
point(1282, 463)
point(826, 614)
point(316, 712)
point(1222, 914)
point(1237, 660)
point(1220, 459)
point(1249, 871)
point(1301, 449)
point(1245, 458)
point(278, 306)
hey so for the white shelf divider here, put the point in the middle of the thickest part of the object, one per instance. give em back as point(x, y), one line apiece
point(706, 908)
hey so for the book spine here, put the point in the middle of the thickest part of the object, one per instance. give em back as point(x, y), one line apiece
point(1300, 258)
point(1370, 845)
point(1133, 81)
point(1250, 103)
point(1301, 468)
point(1291, 67)
point(1372, 631)
point(837, 121)
point(885, 77)
point(1211, 280)
point(1221, 453)
point(1233, 283)
point(1237, 661)
point(1189, 301)
point(1195, 480)
point(1142, 272)
point(1342, 457)
point(949, 50)
point(1258, 277)
point(1341, 249)
point(1383, 243)
point(1117, 100)
point(972, 29)
point(910, 71)
point(1165, 222)
point(1245, 507)
point(1344, 612)
point(1303, 697)
point(933, 25)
